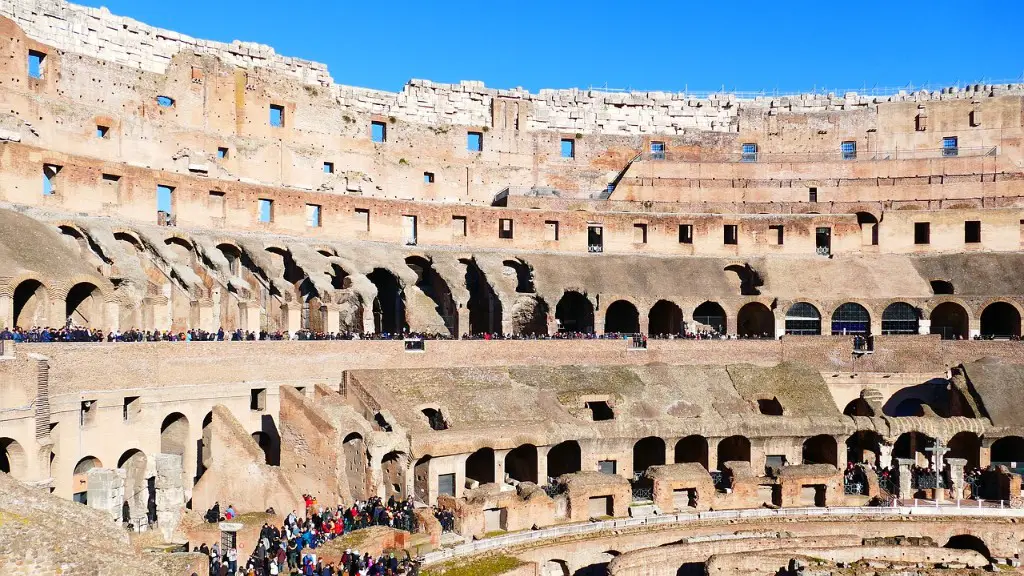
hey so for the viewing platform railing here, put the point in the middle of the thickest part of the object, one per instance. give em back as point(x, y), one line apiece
point(709, 156)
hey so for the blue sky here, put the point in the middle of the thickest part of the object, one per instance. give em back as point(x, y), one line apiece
point(789, 46)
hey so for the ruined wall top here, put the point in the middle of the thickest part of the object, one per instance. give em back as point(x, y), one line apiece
point(97, 33)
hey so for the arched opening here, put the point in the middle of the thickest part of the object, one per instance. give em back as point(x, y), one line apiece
point(858, 407)
point(1008, 451)
point(900, 318)
point(851, 319)
point(12, 457)
point(622, 317)
point(174, 434)
point(949, 320)
point(940, 287)
point(692, 449)
point(710, 315)
point(234, 259)
point(389, 304)
point(1000, 320)
point(575, 313)
point(665, 318)
point(529, 315)
point(84, 305)
point(434, 287)
point(755, 320)
point(803, 319)
point(565, 458)
point(521, 463)
point(180, 249)
point(969, 542)
point(820, 449)
point(485, 312)
point(354, 450)
point(913, 445)
point(523, 273)
point(80, 479)
point(868, 228)
point(966, 445)
point(31, 304)
point(648, 452)
point(864, 446)
point(435, 418)
point(393, 468)
point(733, 449)
point(136, 492)
point(204, 452)
point(748, 278)
point(770, 407)
point(480, 466)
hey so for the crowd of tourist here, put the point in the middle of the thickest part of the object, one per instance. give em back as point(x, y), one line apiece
point(291, 548)
point(446, 517)
point(38, 334)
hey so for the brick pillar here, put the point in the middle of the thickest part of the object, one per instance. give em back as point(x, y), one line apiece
point(291, 315)
point(757, 456)
point(499, 465)
point(332, 317)
point(841, 455)
point(599, 321)
point(985, 453)
point(58, 311)
point(713, 453)
point(249, 316)
point(955, 471)
point(645, 323)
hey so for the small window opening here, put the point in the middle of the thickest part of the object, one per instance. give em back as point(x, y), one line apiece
point(102, 131)
point(459, 226)
point(50, 172)
point(950, 146)
point(778, 236)
point(595, 238)
point(568, 148)
point(941, 287)
point(382, 422)
point(313, 215)
point(600, 411)
point(435, 419)
point(972, 231)
point(731, 233)
point(378, 131)
point(475, 141)
point(266, 209)
point(222, 153)
point(849, 149)
point(607, 466)
point(505, 228)
point(363, 219)
point(36, 65)
point(922, 233)
point(87, 413)
point(812, 194)
point(551, 230)
point(749, 153)
point(770, 407)
point(276, 116)
point(132, 408)
point(428, 177)
point(657, 150)
point(258, 399)
point(686, 233)
point(640, 233)
point(164, 101)
point(328, 167)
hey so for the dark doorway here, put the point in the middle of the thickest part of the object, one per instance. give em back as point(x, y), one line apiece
point(389, 304)
point(575, 313)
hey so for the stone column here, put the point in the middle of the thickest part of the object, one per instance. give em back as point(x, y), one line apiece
point(111, 317)
point(955, 469)
point(205, 306)
point(332, 317)
point(758, 458)
point(985, 453)
point(499, 465)
point(542, 464)
point(249, 316)
point(6, 312)
point(170, 493)
point(106, 491)
point(841, 455)
point(463, 312)
point(645, 323)
point(713, 453)
point(670, 450)
point(731, 325)
point(599, 321)
point(155, 315)
point(291, 314)
point(368, 324)
point(885, 455)
point(904, 489)
point(58, 310)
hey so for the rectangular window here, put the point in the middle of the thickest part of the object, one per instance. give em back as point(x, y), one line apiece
point(378, 131)
point(595, 238)
point(640, 233)
point(505, 228)
point(922, 233)
point(446, 484)
point(87, 413)
point(313, 215)
point(731, 233)
point(328, 167)
point(35, 64)
point(849, 149)
point(363, 219)
point(812, 194)
point(606, 466)
point(50, 172)
point(266, 209)
point(459, 226)
point(222, 153)
point(551, 230)
point(657, 150)
point(972, 231)
point(258, 399)
point(216, 204)
point(475, 141)
point(428, 177)
point(164, 198)
point(276, 116)
point(686, 233)
point(113, 182)
point(778, 234)
point(409, 229)
point(749, 153)
point(568, 148)
point(132, 408)
point(102, 131)
point(949, 146)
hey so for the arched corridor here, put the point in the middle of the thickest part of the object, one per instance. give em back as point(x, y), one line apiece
point(692, 449)
point(864, 446)
point(966, 445)
point(820, 449)
point(622, 317)
point(480, 466)
point(1000, 320)
point(733, 449)
point(521, 463)
point(564, 458)
point(755, 320)
point(31, 305)
point(648, 452)
point(389, 304)
point(575, 313)
point(485, 312)
point(84, 305)
point(665, 318)
point(712, 315)
point(1007, 450)
point(949, 320)
point(434, 287)
point(900, 318)
point(803, 319)
point(12, 457)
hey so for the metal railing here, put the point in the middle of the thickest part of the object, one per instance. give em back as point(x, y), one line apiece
point(788, 157)
point(595, 248)
point(865, 90)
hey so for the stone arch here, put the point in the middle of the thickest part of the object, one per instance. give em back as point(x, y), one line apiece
point(521, 463)
point(354, 449)
point(622, 317)
point(436, 288)
point(480, 466)
point(851, 318)
point(485, 310)
point(233, 255)
point(665, 318)
point(393, 470)
point(181, 248)
point(755, 320)
point(966, 445)
point(733, 449)
point(174, 434)
point(864, 446)
point(900, 318)
point(868, 223)
point(711, 314)
point(84, 305)
point(858, 407)
point(913, 445)
point(803, 319)
point(529, 315)
point(388, 304)
point(31, 301)
point(204, 451)
point(820, 449)
point(647, 452)
point(12, 458)
point(1008, 449)
point(950, 320)
point(136, 493)
point(80, 479)
point(749, 279)
point(969, 542)
point(523, 274)
point(693, 448)
point(575, 313)
point(565, 458)
point(1000, 320)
